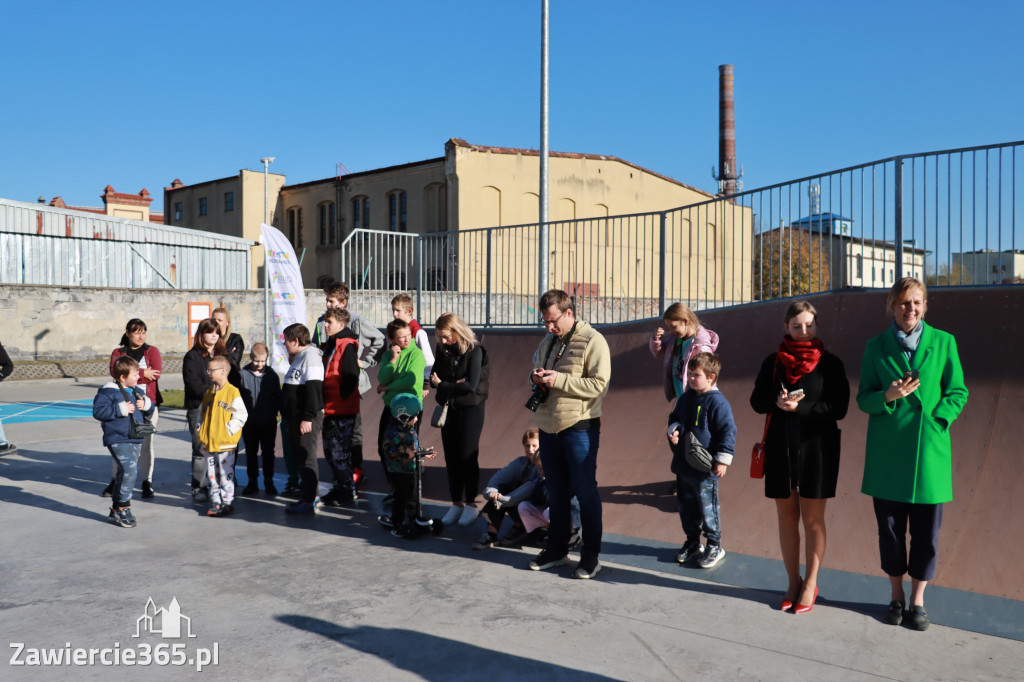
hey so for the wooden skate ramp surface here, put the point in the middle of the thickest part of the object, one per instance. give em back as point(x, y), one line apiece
point(981, 548)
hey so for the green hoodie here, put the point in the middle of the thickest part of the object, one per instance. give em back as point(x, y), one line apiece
point(404, 375)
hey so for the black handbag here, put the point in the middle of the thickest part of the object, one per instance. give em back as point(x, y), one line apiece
point(138, 430)
point(696, 455)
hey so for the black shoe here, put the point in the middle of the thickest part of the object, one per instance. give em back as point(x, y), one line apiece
point(575, 540)
point(690, 551)
point(122, 517)
point(385, 521)
point(147, 489)
point(547, 559)
point(8, 448)
point(269, 489)
point(292, 489)
point(109, 490)
point(588, 567)
point(388, 499)
point(486, 541)
point(337, 497)
point(895, 614)
point(251, 489)
point(516, 535)
point(916, 618)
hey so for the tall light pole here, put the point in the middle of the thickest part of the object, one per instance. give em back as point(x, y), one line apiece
point(542, 260)
point(266, 161)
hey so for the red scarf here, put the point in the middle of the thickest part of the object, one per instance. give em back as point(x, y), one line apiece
point(798, 357)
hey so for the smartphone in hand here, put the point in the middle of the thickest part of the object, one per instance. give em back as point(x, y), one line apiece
point(912, 374)
point(795, 393)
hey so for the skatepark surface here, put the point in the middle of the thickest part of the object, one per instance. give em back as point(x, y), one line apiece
point(333, 596)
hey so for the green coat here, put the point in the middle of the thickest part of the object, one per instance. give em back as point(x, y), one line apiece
point(908, 456)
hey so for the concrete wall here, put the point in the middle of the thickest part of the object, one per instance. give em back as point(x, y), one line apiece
point(62, 323)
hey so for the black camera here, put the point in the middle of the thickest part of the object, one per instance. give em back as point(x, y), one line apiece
point(539, 395)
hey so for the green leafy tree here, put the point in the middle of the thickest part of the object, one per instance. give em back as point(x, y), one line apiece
point(788, 262)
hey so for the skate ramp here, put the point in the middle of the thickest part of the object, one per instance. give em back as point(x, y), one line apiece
point(981, 546)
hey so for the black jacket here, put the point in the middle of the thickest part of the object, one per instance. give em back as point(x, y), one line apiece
point(473, 366)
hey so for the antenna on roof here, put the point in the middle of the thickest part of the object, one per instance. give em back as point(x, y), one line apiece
point(342, 170)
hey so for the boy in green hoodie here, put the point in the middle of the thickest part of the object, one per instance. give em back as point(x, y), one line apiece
point(401, 371)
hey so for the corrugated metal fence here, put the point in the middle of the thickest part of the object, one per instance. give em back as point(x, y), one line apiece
point(46, 245)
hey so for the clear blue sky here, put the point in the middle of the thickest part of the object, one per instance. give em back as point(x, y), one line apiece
point(137, 94)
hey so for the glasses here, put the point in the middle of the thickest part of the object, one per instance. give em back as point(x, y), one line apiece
point(217, 369)
point(548, 323)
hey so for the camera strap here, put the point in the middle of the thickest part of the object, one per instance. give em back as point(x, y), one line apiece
point(561, 351)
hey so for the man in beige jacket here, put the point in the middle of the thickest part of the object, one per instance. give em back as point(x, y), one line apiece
point(572, 370)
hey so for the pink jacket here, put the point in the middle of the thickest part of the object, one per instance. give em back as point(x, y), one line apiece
point(153, 361)
point(704, 341)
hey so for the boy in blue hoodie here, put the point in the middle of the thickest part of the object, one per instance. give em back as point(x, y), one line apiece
point(704, 412)
point(117, 404)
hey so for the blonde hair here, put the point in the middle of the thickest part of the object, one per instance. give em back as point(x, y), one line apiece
point(403, 301)
point(220, 362)
point(465, 339)
point(227, 315)
point(901, 287)
point(680, 312)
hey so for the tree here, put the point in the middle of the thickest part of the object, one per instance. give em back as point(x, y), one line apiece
point(947, 276)
point(789, 262)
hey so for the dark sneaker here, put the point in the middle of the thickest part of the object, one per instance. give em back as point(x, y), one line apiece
point(916, 618)
point(215, 510)
point(269, 489)
point(712, 555)
point(122, 517)
point(200, 495)
point(575, 540)
point(547, 559)
point(9, 448)
point(292, 489)
point(250, 489)
point(337, 497)
point(109, 490)
point(895, 614)
point(486, 541)
point(300, 507)
point(400, 532)
point(690, 551)
point(385, 521)
point(587, 568)
point(147, 489)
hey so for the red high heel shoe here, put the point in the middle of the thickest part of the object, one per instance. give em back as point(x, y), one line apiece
point(787, 604)
point(801, 608)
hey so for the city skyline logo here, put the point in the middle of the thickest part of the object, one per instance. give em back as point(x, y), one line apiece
point(166, 622)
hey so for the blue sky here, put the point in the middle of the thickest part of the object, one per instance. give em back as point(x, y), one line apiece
point(137, 94)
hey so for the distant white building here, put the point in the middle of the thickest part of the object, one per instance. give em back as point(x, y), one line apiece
point(991, 267)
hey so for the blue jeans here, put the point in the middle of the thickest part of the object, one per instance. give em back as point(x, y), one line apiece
point(697, 503)
point(570, 468)
point(126, 457)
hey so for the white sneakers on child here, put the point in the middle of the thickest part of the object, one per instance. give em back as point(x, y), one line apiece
point(468, 516)
point(452, 515)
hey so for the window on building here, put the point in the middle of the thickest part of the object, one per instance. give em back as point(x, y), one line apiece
point(327, 229)
point(229, 201)
point(398, 209)
point(177, 210)
point(202, 205)
point(860, 266)
point(295, 227)
point(361, 213)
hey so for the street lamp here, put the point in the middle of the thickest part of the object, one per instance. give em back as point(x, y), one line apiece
point(266, 161)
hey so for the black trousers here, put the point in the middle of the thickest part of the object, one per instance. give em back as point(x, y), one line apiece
point(259, 437)
point(924, 522)
point(461, 438)
point(304, 450)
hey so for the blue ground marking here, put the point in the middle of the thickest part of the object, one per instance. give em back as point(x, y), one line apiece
point(16, 413)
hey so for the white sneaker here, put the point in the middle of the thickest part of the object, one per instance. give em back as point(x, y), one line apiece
point(451, 515)
point(469, 514)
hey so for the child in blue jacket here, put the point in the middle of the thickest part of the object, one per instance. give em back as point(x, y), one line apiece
point(116, 405)
point(704, 412)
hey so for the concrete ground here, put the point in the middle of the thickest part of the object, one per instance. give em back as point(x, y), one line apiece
point(334, 597)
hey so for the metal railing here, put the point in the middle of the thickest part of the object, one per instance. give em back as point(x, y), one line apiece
point(947, 217)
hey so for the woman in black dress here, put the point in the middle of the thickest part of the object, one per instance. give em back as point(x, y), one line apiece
point(804, 391)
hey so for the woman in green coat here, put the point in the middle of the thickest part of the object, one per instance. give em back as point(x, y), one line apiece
point(912, 386)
